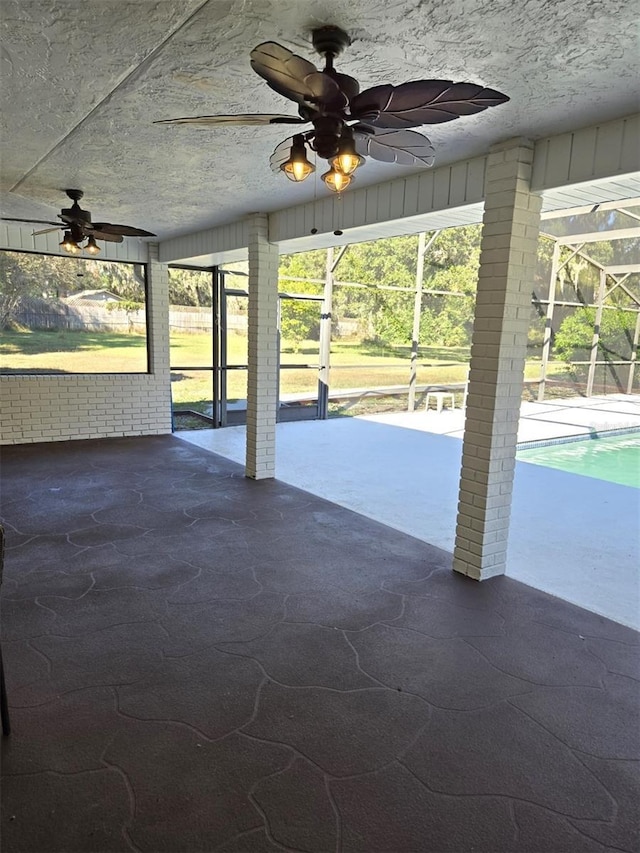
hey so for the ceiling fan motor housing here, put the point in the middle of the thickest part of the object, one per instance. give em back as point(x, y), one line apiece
point(330, 40)
point(76, 214)
point(77, 232)
point(326, 139)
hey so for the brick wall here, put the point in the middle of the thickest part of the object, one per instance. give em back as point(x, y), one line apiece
point(498, 351)
point(262, 380)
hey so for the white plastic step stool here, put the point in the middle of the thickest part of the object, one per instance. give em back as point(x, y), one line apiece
point(440, 398)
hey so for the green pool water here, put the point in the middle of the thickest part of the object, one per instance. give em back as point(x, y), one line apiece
point(615, 458)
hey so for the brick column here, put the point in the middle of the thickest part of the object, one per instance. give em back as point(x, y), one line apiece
point(158, 314)
point(158, 410)
point(507, 265)
point(262, 383)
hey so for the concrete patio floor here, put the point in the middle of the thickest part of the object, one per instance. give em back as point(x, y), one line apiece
point(197, 662)
point(575, 537)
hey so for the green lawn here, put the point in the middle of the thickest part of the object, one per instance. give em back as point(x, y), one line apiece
point(353, 364)
point(60, 351)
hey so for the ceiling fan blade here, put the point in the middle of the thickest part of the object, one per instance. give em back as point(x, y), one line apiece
point(404, 147)
point(47, 230)
point(348, 85)
point(422, 102)
point(106, 237)
point(284, 71)
point(123, 230)
point(71, 219)
point(326, 91)
point(246, 119)
point(30, 221)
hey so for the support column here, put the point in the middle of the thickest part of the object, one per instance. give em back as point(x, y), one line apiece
point(262, 380)
point(325, 338)
point(417, 313)
point(593, 356)
point(158, 314)
point(548, 325)
point(158, 402)
point(511, 224)
point(634, 355)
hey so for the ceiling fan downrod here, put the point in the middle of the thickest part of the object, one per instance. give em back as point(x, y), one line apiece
point(75, 213)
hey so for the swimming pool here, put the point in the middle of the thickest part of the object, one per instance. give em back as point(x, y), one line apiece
point(615, 458)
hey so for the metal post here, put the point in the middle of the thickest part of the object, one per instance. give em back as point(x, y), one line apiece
point(217, 279)
point(279, 359)
point(326, 319)
point(222, 387)
point(634, 354)
point(325, 339)
point(596, 333)
point(423, 248)
point(417, 311)
point(548, 326)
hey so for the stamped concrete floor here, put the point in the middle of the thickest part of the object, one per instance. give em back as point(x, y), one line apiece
point(199, 662)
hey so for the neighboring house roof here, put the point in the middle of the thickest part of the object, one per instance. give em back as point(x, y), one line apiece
point(93, 296)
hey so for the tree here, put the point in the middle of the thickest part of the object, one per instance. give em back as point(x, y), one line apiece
point(302, 265)
point(190, 287)
point(578, 281)
point(300, 318)
point(299, 321)
point(130, 307)
point(448, 320)
point(26, 275)
point(14, 284)
point(575, 335)
point(125, 280)
point(386, 316)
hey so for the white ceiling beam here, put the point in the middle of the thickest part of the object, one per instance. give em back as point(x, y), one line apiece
point(621, 269)
point(223, 244)
point(19, 238)
point(400, 206)
point(600, 236)
point(588, 208)
point(444, 197)
point(587, 155)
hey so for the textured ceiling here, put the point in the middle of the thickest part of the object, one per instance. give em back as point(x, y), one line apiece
point(82, 83)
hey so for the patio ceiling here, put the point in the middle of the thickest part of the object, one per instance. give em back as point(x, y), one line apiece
point(83, 82)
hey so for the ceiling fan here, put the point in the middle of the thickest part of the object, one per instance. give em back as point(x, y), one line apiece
point(78, 227)
point(349, 125)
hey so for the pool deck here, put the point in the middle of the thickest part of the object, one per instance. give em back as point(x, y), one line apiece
point(572, 536)
point(577, 416)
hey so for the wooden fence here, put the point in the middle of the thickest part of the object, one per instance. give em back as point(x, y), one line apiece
point(96, 318)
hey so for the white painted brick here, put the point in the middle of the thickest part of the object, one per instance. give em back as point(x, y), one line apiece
point(72, 406)
point(498, 350)
point(262, 379)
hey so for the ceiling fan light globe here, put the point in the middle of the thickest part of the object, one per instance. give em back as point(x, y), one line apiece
point(92, 247)
point(69, 244)
point(297, 168)
point(336, 181)
point(346, 161)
